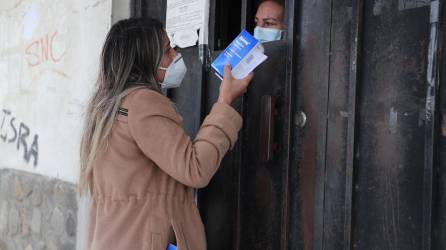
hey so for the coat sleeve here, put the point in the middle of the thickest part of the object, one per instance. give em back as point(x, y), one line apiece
point(156, 127)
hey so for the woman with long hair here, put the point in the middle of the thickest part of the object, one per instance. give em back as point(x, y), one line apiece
point(137, 163)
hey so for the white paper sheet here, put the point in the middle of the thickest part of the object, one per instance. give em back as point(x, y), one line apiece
point(253, 59)
point(186, 22)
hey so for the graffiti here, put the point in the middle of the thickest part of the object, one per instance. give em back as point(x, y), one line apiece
point(19, 135)
point(43, 50)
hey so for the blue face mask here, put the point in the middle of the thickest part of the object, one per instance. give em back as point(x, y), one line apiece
point(267, 34)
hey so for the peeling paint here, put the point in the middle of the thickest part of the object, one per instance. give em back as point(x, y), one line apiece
point(412, 4)
point(343, 113)
point(377, 7)
point(435, 6)
point(432, 62)
point(393, 120)
point(429, 106)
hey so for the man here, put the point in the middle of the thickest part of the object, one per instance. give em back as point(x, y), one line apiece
point(269, 21)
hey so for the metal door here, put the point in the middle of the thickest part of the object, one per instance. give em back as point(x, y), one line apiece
point(254, 176)
point(370, 75)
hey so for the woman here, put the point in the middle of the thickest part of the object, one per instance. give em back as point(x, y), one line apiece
point(137, 163)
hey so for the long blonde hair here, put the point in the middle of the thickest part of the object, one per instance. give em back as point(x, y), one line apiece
point(130, 57)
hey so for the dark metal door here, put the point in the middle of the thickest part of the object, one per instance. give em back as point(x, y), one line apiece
point(254, 175)
point(388, 186)
point(247, 203)
point(264, 169)
point(379, 170)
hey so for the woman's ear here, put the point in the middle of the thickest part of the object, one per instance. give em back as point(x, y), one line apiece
point(160, 74)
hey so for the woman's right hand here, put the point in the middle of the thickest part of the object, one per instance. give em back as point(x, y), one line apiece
point(232, 88)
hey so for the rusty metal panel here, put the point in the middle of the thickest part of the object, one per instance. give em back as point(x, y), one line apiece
point(390, 151)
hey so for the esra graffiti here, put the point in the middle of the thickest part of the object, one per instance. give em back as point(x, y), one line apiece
point(18, 134)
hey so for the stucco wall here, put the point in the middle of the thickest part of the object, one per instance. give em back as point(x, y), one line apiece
point(49, 52)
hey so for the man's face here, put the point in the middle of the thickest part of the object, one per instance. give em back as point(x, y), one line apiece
point(270, 15)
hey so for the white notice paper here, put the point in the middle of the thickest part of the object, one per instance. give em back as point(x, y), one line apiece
point(186, 22)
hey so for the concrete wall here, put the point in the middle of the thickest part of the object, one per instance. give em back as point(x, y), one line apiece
point(49, 52)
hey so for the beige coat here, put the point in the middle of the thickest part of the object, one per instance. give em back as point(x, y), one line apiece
point(143, 184)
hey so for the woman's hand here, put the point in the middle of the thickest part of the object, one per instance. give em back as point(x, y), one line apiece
point(232, 88)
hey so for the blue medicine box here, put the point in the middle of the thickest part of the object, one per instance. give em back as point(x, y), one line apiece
point(234, 53)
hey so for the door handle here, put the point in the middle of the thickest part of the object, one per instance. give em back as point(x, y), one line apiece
point(300, 119)
point(266, 144)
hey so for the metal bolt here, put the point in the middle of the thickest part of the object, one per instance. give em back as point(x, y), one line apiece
point(300, 119)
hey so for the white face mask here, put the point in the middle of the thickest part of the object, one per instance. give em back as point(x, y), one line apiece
point(174, 73)
point(267, 34)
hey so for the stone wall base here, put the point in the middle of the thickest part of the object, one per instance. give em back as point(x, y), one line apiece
point(36, 212)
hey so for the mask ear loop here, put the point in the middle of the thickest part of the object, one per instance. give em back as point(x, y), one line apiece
point(176, 59)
